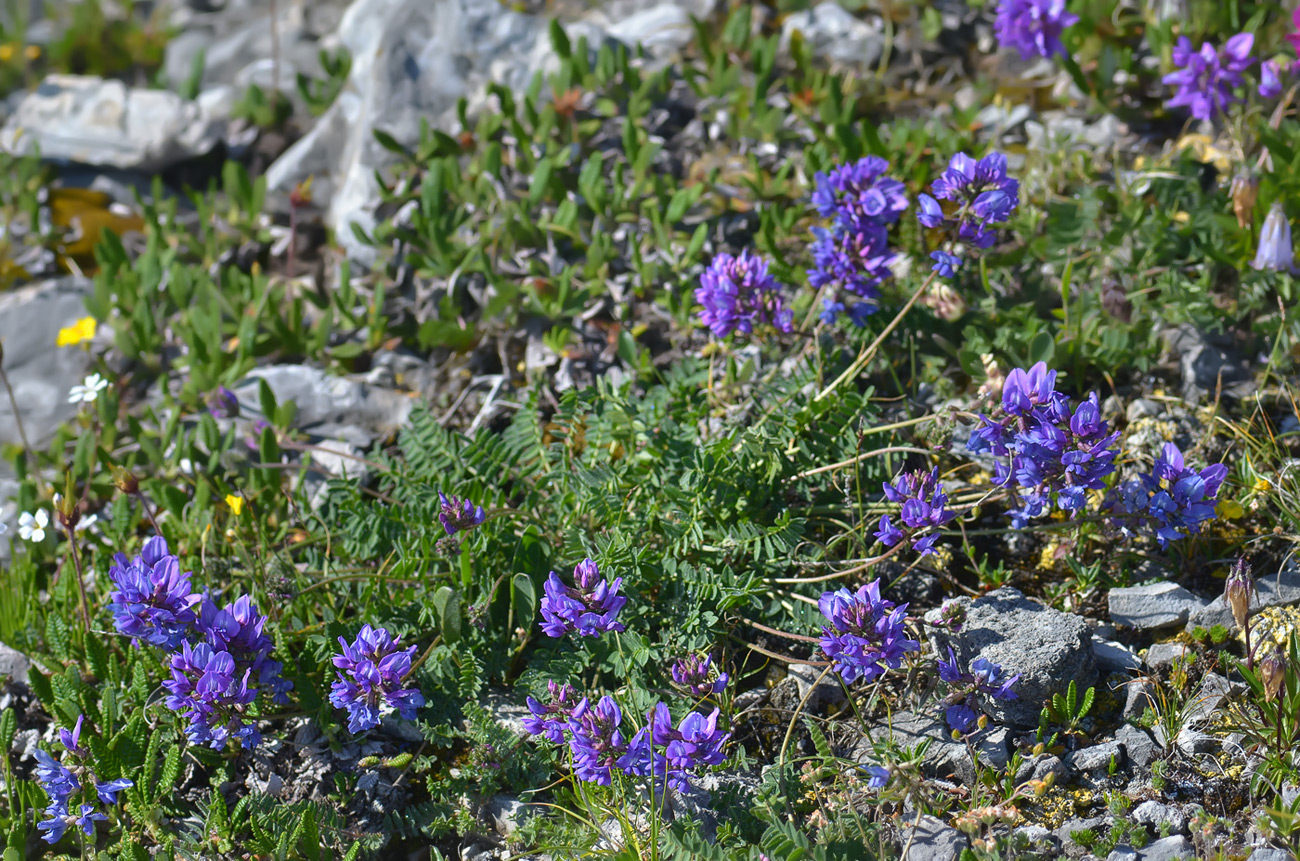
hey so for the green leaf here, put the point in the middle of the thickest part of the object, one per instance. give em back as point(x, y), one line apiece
point(523, 596)
point(446, 603)
point(1042, 348)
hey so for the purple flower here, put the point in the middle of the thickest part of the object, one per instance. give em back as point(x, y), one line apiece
point(595, 739)
point(984, 195)
point(852, 191)
point(694, 674)
point(552, 719)
point(965, 689)
point(867, 634)
point(1054, 455)
point(878, 776)
point(923, 508)
point(945, 264)
point(1275, 250)
point(370, 683)
point(237, 628)
point(206, 689)
point(642, 759)
point(589, 608)
point(1033, 27)
point(153, 600)
point(738, 293)
point(1173, 499)
point(852, 256)
point(694, 743)
point(1207, 78)
point(223, 404)
point(459, 515)
point(61, 784)
point(1270, 82)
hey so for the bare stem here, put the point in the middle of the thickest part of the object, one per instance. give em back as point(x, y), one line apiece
point(81, 582)
point(18, 417)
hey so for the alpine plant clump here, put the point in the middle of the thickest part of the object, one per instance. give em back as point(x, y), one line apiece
point(739, 294)
point(154, 601)
point(851, 257)
point(371, 679)
point(1050, 455)
point(1207, 79)
point(867, 634)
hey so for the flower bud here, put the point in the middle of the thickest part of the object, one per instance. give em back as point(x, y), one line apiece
point(1275, 250)
point(1272, 672)
point(944, 301)
point(1237, 591)
point(995, 377)
point(1245, 188)
point(125, 481)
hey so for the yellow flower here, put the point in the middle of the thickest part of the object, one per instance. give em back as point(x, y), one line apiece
point(82, 330)
point(32, 53)
point(1263, 485)
point(6, 52)
point(236, 503)
point(1230, 509)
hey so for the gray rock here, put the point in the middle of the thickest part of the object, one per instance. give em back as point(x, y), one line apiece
point(506, 813)
point(1137, 698)
point(1211, 693)
point(1098, 825)
point(1141, 408)
point(331, 459)
point(835, 35)
point(663, 29)
point(412, 60)
point(327, 405)
point(14, 664)
point(1007, 628)
point(1204, 360)
point(40, 372)
point(1168, 849)
point(1114, 657)
point(1156, 815)
point(1054, 129)
point(1191, 742)
point(1149, 608)
point(1096, 758)
point(1040, 838)
point(944, 757)
point(1268, 853)
point(94, 121)
point(1278, 589)
point(932, 840)
point(1122, 852)
point(827, 692)
point(1162, 655)
point(711, 796)
point(1138, 746)
point(1040, 766)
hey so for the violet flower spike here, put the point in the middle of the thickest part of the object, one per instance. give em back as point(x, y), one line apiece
point(459, 515)
point(867, 634)
point(154, 600)
point(739, 294)
point(588, 608)
point(1033, 27)
point(1207, 78)
point(371, 680)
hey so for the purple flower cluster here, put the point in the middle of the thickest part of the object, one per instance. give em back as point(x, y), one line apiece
point(590, 607)
point(985, 679)
point(923, 508)
point(1173, 498)
point(1206, 79)
point(657, 751)
point(153, 600)
point(867, 634)
point(984, 196)
point(370, 682)
point(61, 783)
point(738, 293)
point(694, 674)
point(1033, 27)
point(852, 255)
point(552, 719)
point(1053, 454)
point(222, 403)
point(220, 656)
point(459, 515)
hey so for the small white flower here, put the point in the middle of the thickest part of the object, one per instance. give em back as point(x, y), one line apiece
point(88, 390)
point(31, 527)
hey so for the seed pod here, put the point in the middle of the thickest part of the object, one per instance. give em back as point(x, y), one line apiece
point(1237, 591)
point(1272, 672)
point(1245, 188)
